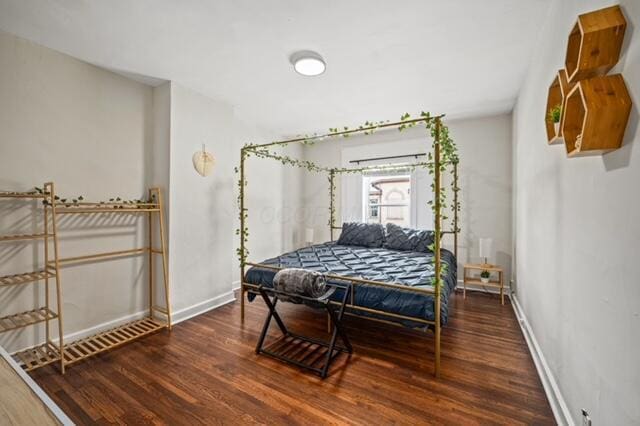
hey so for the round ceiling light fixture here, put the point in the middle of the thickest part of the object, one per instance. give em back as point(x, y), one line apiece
point(308, 63)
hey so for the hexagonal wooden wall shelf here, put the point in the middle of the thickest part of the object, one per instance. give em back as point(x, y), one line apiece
point(595, 116)
point(595, 43)
point(558, 92)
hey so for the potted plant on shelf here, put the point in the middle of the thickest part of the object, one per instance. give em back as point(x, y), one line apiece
point(553, 116)
point(484, 277)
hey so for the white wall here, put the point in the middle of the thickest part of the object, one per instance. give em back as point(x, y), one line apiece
point(201, 218)
point(99, 134)
point(484, 146)
point(90, 131)
point(578, 235)
point(203, 211)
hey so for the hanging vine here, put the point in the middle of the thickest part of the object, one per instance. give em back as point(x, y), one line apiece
point(332, 200)
point(448, 158)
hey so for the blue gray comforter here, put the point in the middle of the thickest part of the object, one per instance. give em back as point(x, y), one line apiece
point(413, 269)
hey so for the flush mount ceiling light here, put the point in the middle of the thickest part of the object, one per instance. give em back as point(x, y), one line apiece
point(308, 63)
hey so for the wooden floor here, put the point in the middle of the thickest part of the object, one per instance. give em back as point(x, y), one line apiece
point(206, 372)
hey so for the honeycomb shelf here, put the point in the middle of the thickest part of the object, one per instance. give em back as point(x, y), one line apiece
point(596, 115)
point(102, 342)
point(594, 43)
point(24, 278)
point(37, 357)
point(558, 92)
point(24, 319)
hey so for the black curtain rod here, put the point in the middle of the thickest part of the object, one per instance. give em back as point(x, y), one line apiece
point(364, 160)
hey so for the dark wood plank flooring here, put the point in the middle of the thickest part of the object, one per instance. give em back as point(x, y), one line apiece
point(206, 372)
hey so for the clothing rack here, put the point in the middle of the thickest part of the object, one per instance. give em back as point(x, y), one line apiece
point(71, 353)
point(47, 352)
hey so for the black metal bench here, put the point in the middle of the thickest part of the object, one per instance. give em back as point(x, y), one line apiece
point(291, 347)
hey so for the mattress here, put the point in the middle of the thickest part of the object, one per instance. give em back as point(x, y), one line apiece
point(413, 269)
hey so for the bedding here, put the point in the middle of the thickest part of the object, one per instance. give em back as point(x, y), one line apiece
point(362, 234)
point(407, 239)
point(408, 268)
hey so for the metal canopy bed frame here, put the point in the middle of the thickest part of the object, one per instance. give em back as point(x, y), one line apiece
point(442, 158)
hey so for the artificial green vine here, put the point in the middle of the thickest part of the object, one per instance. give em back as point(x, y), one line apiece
point(332, 200)
point(243, 230)
point(115, 203)
point(448, 158)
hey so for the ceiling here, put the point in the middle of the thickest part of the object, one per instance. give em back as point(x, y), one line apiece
point(459, 57)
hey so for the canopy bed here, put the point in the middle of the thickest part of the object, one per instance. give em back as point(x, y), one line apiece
point(406, 287)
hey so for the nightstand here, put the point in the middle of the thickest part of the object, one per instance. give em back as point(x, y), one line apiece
point(493, 282)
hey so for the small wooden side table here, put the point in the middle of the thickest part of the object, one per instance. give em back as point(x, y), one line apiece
point(496, 283)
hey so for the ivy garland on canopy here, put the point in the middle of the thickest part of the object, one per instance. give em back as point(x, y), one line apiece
point(441, 140)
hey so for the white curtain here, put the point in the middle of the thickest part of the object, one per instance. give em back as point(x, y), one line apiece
point(352, 197)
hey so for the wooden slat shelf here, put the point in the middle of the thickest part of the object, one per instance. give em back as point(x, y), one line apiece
point(37, 357)
point(477, 281)
point(93, 210)
point(482, 267)
point(24, 319)
point(100, 256)
point(24, 278)
point(24, 237)
point(90, 346)
point(28, 195)
point(104, 204)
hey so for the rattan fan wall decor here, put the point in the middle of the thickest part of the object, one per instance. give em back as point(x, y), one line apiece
point(203, 162)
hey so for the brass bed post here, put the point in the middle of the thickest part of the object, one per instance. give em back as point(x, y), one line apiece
point(242, 234)
point(332, 219)
point(455, 210)
point(436, 249)
point(332, 224)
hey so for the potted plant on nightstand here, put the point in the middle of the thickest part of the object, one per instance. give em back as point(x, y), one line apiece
point(553, 116)
point(484, 277)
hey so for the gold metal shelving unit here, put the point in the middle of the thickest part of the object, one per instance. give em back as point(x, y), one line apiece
point(84, 348)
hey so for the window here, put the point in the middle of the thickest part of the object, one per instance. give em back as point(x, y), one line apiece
point(388, 199)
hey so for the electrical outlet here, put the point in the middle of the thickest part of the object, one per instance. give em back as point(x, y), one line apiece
point(586, 420)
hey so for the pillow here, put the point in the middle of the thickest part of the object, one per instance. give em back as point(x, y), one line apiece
point(407, 239)
point(361, 234)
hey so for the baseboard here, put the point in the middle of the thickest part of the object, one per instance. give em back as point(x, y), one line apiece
point(558, 404)
point(202, 307)
point(235, 285)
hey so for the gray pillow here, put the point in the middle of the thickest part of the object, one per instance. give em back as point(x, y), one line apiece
point(362, 234)
point(407, 239)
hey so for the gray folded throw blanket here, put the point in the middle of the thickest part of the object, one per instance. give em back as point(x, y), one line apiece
point(302, 282)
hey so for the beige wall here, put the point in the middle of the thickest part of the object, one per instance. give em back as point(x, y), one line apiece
point(90, 131)
point(577, 238)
